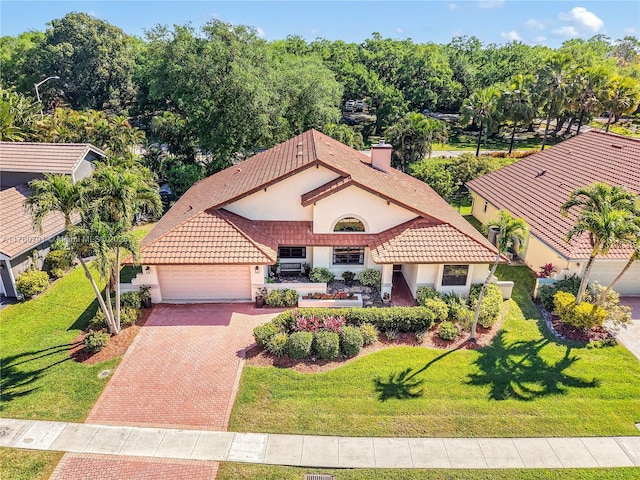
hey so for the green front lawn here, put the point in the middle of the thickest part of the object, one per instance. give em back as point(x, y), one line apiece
point(242, 471)
point(523, 384)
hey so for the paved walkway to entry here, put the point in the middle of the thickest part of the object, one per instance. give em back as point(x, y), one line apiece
point(182, 371)
point(630, 336)
point(190, 453)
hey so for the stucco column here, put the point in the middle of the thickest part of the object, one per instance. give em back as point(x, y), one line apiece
point(387, 279)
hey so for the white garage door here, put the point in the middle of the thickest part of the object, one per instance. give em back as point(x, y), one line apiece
point(605, 272)
point(205, 282)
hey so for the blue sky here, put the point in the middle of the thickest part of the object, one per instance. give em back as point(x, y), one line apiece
point(492, 21)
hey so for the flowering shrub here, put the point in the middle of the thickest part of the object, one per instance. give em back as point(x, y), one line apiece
point(546, 270)
point(313, 324)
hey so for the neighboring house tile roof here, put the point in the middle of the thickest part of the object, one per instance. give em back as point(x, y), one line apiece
point(303, 151)
point(535, 187)
point(17, 234)
point(44, 157)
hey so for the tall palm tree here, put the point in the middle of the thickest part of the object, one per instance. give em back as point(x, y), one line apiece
point(517, 103)
point(509, 228)
point(592, 91)
point(54, 193)
point(554, 85)
point(604, 214)
point(481, 108)
point(623, 97)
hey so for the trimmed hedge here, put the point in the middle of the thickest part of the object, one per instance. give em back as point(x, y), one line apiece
point(131, 299)
point(570, 284)
point(299, 344)
point(584, 316)
point(128, 316)
point(282, 297)
point(277, 344)
point(31, 283)
point(326, 344)
point(57, 262)
point(404, 319)
point(369, 334)
point(439, 308)
point(370, 278)
point(351, 341)
point(321, 275)
point(96, 341)
point(426, 293)
point(448, 330)
point(491, 303)
point(263, 333)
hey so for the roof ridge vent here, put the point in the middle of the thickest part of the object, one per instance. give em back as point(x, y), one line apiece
point(541, 173)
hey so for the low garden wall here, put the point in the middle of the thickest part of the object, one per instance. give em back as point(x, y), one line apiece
point(331, 303)
point(301, 287)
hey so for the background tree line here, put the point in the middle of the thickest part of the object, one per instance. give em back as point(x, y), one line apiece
point(208, 97)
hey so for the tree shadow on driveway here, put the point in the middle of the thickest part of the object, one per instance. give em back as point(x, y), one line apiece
point(518, 371)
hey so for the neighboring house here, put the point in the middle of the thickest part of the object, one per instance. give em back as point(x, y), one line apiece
point(535, 187)
point(310, 199)
point(19, 164)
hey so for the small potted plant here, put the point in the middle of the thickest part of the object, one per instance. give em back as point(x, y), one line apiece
point(260, 294)
point(145, 296)
point(386, 298)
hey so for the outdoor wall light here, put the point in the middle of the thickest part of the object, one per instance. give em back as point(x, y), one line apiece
point(257, 270)
point(147, 270)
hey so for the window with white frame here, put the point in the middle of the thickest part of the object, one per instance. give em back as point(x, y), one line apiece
point(292, 252)
point(454, 275)
point(349, 224)
point(348, 255)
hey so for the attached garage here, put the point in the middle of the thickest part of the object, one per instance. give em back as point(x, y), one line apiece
point(216, 283)
point(605, 271)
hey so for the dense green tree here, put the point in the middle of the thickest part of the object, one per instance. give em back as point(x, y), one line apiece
point(411, 138)
point(18, 116)
point(344, 134)
point(516, 103)
point(17, 55)
point(481, 108)
point(552, 86)
point(623, 95)
point(94, 60)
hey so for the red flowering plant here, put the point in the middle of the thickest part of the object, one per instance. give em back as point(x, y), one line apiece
point(313, 324)
point(547, 270)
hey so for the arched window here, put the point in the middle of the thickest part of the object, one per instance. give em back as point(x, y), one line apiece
point(349, 224)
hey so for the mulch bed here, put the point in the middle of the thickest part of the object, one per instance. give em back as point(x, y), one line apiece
point(116, 347)
point(256, 357)
point(578, 335)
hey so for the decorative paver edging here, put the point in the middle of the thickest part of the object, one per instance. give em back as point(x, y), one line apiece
point(319, 451)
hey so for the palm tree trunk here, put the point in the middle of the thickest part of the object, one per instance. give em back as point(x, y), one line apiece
point(608, 122)
point(476, 316)
point(98, 295)
point(513, 134)
point(117, 285)
point(580, 122)
point(479, 139)
point(107, 291)
point(604, 294)
point(585, 278)
point(546, 130)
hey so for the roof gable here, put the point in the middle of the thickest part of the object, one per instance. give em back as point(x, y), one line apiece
point(62, 158)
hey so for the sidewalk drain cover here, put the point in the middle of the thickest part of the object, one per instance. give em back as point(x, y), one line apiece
point(104, 374)
point(315, 476)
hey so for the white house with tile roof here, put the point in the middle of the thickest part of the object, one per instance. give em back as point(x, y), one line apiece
point(535, 187)
point(310, 199)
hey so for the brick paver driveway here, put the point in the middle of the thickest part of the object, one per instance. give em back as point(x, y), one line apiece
point(181, 371)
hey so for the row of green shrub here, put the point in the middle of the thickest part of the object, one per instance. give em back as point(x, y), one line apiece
point(324, 343)
point(403, 319)
point(33, 282)
point(369, 277)
point(282, 297)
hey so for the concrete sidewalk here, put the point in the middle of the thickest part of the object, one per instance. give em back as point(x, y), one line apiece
point(317, 451)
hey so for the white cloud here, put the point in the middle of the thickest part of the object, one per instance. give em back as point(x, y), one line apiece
point(399, 30)
point(511, 36)
point(260, 32)
point(566, 31)
point(452, 7)
point(314, 31)
point(535, 23)
point(490, 3)
point(540, 39)
point(630, 31)
point(583, 20)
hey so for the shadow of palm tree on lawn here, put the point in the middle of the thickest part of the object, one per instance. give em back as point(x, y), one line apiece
point(517, 371)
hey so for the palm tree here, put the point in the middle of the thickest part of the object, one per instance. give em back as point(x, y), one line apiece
point(516, 102)
point(481, 108)
point(509, 229)
point(605, 213)
point(623, 97)
point(554, 85)
point(592, 91)
point(54, 193)
point(632, 239)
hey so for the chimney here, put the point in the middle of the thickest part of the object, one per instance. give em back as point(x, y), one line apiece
point(381, 156)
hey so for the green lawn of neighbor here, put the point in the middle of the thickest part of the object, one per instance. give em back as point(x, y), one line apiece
point(525, 383)
point(246, 471)
point(467, 141)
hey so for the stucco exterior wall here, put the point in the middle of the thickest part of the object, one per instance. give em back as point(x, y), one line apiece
point(282, 201)
point(536, 253)
point(373, 211)
point(83, 170)
point(478, 211)
point(323, 257)
point(410, 273)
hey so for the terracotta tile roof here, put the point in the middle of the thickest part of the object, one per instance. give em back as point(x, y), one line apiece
point(17, 234)
point(44, 157)
point(425, 241)
point(207, 238)
point(524, 190)
point(303, 151)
